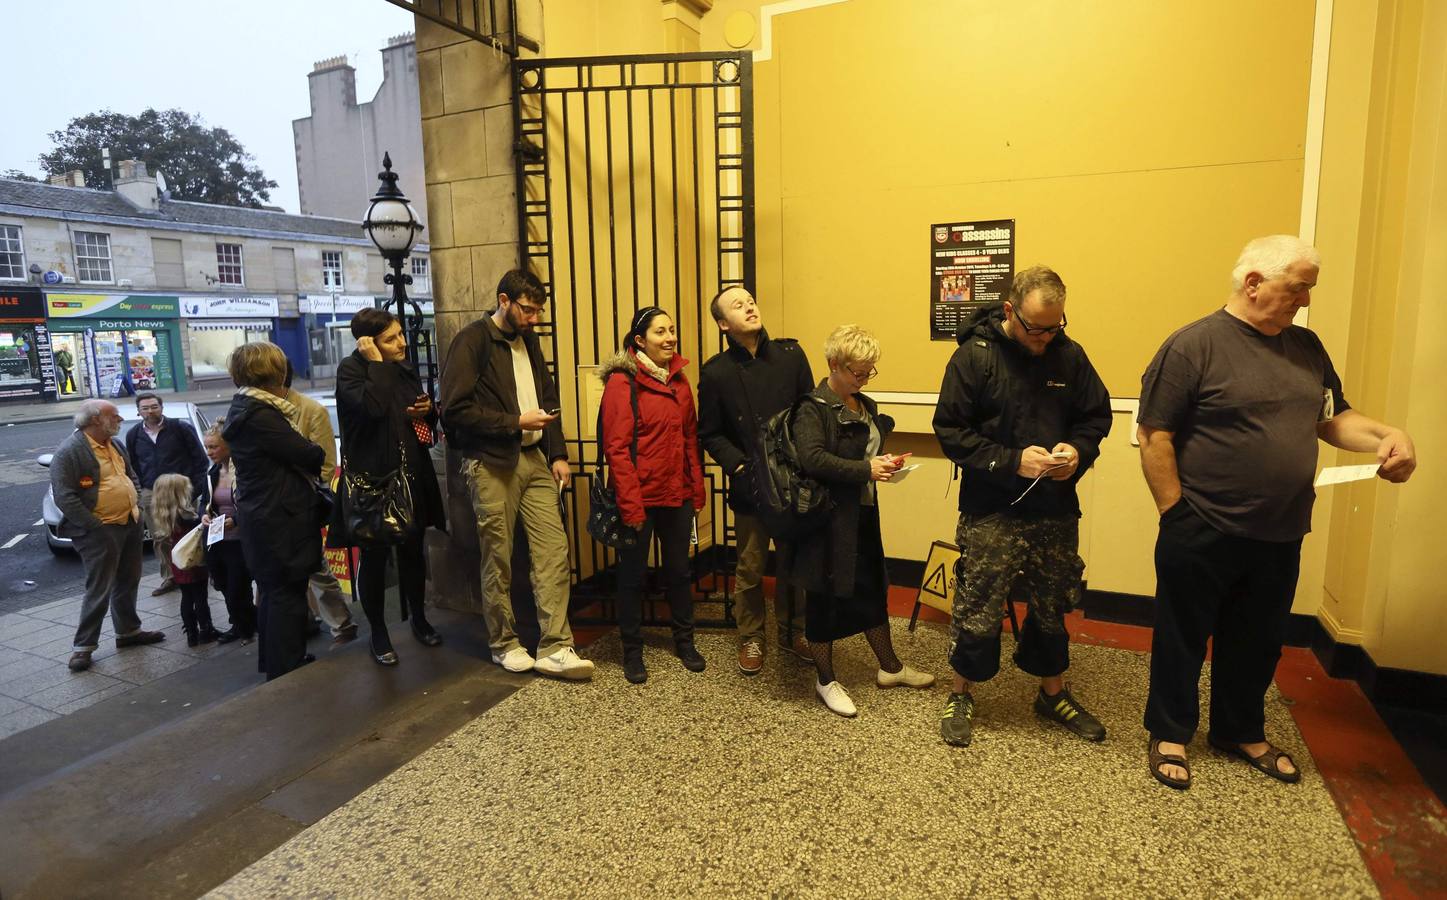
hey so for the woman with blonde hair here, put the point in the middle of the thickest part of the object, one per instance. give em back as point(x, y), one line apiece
point(173, 513)
point(839, 437)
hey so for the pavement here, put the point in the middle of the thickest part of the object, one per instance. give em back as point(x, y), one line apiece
point(15, 414)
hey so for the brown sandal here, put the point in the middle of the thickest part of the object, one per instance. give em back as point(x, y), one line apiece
point(1159, 759)
point(1267, 762)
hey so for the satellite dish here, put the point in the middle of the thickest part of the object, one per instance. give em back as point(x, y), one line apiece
point(161, 183)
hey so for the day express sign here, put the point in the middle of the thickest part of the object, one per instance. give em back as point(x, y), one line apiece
point(112, 306)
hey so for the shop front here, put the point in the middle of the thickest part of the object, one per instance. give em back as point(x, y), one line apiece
point(328, 319)
point(118, 344)
point(216, 325)
point(27, 362)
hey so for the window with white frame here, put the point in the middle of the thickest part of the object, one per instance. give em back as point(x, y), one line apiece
point(93, 257)
point(421, 276)
point(332, 270)
point(12, 253)
point(228, 264)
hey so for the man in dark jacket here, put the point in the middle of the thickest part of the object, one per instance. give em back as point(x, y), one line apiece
point(500, 411)
point(739, 389)
point(159, 445)
point(1023, 412)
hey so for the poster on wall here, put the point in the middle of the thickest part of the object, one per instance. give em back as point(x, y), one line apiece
point(971, 265)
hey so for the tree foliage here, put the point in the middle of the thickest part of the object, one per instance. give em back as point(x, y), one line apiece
point(199, 163)
point(17, 175)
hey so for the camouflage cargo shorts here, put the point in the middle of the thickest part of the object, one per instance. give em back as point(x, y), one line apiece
point(1035, 560)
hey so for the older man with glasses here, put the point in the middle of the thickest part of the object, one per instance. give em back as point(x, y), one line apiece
point(1023, 412)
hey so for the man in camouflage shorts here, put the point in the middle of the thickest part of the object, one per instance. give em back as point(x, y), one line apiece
point(1017, 385)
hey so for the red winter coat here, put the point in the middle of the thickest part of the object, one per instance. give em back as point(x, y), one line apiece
point(669, 471)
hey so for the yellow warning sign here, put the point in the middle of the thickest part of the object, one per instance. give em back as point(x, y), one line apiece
point(938, 588)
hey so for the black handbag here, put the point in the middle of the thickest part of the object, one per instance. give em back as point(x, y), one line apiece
point(378, 509)
point(605, 522)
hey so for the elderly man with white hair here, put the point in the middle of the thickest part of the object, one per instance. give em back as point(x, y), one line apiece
point(96, 489)
point(1231, 409)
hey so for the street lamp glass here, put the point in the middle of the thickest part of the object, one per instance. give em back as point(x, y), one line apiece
point(393, 226)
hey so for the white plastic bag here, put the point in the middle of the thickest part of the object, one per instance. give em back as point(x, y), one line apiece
point(190, 550)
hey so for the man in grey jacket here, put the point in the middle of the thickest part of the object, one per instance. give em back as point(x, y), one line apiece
point(97, 491)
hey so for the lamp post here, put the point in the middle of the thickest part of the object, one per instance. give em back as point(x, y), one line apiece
point(392, 224)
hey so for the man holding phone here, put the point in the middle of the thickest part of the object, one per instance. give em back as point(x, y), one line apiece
point(1017, 385)
point(500, 409)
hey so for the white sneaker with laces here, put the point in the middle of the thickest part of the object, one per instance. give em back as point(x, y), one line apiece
point(565, 663)
point(835, 698)
point(905, 677)
point(515, 660)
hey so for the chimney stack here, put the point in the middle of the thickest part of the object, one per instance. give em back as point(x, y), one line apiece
point(137, 186)
point(73, 178)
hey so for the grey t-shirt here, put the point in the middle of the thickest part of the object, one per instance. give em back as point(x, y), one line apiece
point(1244, 407)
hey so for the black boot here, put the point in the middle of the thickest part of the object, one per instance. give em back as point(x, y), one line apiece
point(206, 631)
point(422, 630)
point(692, 660)
point(188, 622)
point(633, 668)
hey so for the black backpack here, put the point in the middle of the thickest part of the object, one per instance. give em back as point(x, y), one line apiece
point(788, 503)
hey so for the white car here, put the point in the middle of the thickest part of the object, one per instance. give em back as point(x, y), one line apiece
point(186, 412)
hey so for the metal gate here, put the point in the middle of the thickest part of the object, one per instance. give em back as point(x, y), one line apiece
point(635, 188)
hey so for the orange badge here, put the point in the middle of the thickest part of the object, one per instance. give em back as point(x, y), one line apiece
point(87, 482)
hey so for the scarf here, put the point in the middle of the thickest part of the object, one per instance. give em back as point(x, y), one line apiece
point(648, 365)
point(285, 407)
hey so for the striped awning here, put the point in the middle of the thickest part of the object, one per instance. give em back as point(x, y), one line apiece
point(255, 325)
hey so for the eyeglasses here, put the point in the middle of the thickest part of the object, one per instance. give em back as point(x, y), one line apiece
point(1033, 329)
point(867, 376)
point(531, 312)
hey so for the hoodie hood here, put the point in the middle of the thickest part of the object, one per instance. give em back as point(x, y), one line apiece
point(988, 323)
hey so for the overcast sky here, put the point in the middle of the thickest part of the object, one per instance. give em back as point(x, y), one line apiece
point(241, 66)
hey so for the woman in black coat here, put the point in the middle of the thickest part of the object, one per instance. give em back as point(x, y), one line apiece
point(839, 436)
point(387, 419)
point(276, 501)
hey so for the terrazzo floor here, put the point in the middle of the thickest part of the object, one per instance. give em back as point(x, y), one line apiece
point(716, 785)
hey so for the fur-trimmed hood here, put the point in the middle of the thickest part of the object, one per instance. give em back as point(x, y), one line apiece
point(625, 362)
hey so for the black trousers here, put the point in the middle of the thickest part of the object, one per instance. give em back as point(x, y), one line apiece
point(674, 527)
point(195, 610)
point(1235, 591)
point(282, 620)
point(228, 568)
point(372, 580)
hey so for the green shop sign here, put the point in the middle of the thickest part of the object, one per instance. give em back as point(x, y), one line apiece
point(112, 306)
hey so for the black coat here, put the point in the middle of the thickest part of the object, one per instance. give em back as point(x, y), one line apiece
point(997, 399)
point(480, 399)
point(176, 451)
point(372, 399)
point(737, 393)
point(832, 449)
point(281, 536)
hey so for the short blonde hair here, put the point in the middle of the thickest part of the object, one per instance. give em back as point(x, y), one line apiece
point(260, 364)
point(851, 344)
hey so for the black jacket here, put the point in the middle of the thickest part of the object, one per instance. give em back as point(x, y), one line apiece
point(372, 399)
point(479, 396)
point(832, 449)
point(275, 500)
point(997, 399)
point(737, 393)
point(176, 451)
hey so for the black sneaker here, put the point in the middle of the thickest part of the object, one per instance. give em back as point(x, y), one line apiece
point(958, 721)
point(1065, 710)
point(692, 660)
point(633, 668)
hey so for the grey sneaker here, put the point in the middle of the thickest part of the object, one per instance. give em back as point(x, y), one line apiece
point(957, 723)
point(1063, 709)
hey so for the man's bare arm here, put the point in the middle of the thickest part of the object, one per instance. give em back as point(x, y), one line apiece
point(1353, 431)
point(1158, 462)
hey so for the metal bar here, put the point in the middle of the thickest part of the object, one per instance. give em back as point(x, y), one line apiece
point(592, 244)
point(673, 173)
point(632, 198)
point(571, 61)
point(746, 147)
point(697, 218)
point(653, 193)
point(572, 263)
point(612, 220)
point(520, 162)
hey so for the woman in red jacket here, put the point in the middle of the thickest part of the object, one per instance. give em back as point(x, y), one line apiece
point(659, 490)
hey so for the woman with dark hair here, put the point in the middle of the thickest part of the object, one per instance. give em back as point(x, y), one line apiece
point(224, 558)
point(276, 501)
point(650, 437)
point(388, 423)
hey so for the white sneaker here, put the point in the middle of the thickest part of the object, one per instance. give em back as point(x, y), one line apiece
point(835, 698)
point(515, 660)
point(565, 663)
point(906, 677)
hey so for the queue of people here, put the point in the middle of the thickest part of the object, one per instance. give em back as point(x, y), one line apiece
point(1021, 411)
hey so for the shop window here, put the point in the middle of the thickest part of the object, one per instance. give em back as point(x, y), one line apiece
point(19, 361)
point(212, 343)
point(332, 270)
point(12, 253)
point(228, 264)
point(93, 257)
point(421, 275)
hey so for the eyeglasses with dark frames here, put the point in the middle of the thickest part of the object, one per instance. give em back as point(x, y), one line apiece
point(1034, 329)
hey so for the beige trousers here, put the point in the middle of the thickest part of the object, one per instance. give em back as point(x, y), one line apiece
point(753, 548)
